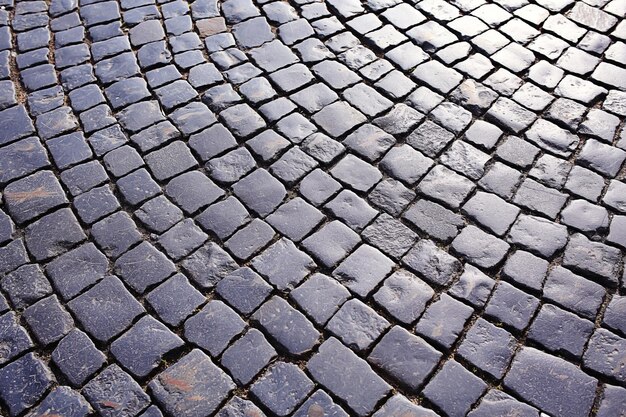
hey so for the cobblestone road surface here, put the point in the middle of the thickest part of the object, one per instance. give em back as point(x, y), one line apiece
point(382, 207)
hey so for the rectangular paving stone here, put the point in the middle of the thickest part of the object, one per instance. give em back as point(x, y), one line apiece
point(336, 367)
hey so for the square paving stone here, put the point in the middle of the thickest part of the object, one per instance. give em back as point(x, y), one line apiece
point(454, 389)
point(77, 357)
point(250, 239)
point(244, 289)
point(260, 192)
point(212, 141)
point(473, 286)
point(224, 217)
point(593, 258)
point(320, 401)
point(23, 383)
point(293, 165)
point(332, 243)
point(175, 300)
point(511, 306)
point(435, 265)
point(96, 204)
point(336, 367)
point(357, 325)
point(282, 388)
point(182, 239)
point(52, 234)
point(417, 357)
point(406, 164)
point(106, 309)
point(550, 383)
point(116, 233)
point(143, 266)
point(142, 347)
point(283, 264)
point(434, 220)
point(207, 265)
point(48, 320)
point(391, 196)
point(320, 296)
point(356, 173)
point(603, 354)
point(76, 270)
point(446, 186)
point(444, 321)
point(122, 160)
point(560, 331)
point(159, 214)
point(21, 158)
point(488, 347)
point(13, 337)
point(338, 118)
point(239, 361)
point(491, 211)
point(615, 313)
point(287, 326)
point(69, 149)
point(526, 269)
point(574, 292)
point(237, 405)
point(113, 385)
point(26, 285)
point(496, 402)
point(538, 235)
point(480, 248)
point(363, 270)
point(399, 405)
point(215, 319)
point(390, 236)
point(34, 195)
point(612, 399)
point(352, 209)
point(369, 141)
point(242, 120)
point(511, 115)
point(170, 160)
point(63, 400)
point(404, 296)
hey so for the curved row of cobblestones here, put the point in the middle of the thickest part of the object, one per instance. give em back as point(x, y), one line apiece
point(312, 208)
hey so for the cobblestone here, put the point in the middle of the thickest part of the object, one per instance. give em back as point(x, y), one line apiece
point(312, 208)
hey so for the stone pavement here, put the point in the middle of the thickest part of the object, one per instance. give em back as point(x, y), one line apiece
point(245, 208)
